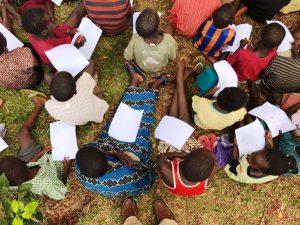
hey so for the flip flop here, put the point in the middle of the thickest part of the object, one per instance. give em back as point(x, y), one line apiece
point(164, 77)
point(32, 93)
point(132, 67)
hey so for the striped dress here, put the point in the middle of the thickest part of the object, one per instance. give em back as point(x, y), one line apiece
point(210, 40)
point(285, 75)
point(110, 15)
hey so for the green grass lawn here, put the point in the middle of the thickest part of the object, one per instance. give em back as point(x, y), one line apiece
point(225, 202)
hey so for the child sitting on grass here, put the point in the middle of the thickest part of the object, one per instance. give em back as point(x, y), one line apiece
point(17, 7)
point(227, 109)
point(75, 102)
point(215, 32)
point(261, 166)
point(33, 165)
point(187, 172)
point(44, 34)
point(150, 48)
point(19, 68)
point(249, 63)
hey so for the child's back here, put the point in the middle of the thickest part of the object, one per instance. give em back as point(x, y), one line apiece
point(150, 48)
point(249, 63)
point(215, 32)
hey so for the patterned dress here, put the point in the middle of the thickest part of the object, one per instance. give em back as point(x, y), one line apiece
point(121, 180)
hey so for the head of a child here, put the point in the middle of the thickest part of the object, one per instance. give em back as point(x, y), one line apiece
point(14, 169)
point(272, 35)
point(197, 165)
point(223, 16)
point(63, 86)
point(91, 162)
point(3, 44)
point(37, 22)
point(232, 98)
point(272, 162)
point(147, 23)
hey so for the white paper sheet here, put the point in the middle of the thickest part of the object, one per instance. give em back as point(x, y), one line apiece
point(286, 44)
point(227, 76)
point(275, 118)
point(134, 18)
point(3, 145)
point(250, 138)
point(242, 31)
point(63, 141)
point(67, 58)
point(12, 41)
point(92, 34)
point(131, 3)
point(126, 123)
point(173, 131)
point(57, 2)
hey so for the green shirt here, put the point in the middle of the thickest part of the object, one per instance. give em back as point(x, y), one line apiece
point(48, 179)
point(151, 57)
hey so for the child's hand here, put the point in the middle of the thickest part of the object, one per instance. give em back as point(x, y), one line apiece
point(72, 31)
point(295, 48)
point(124, 158)
point(46, 150)
point(79, 42)
point(244, 42)
point(181, 64)
point(211, 91)
point(269, 139)
point(67, 163)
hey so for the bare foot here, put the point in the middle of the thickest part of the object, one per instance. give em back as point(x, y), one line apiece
point(136, 78)
point(39, 101)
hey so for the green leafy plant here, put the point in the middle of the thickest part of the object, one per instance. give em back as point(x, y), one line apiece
point(21, 210)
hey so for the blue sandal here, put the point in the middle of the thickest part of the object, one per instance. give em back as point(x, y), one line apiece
point(133, 68)
point(164, 77)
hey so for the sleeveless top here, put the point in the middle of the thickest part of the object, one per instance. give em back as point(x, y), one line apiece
point(180, 188)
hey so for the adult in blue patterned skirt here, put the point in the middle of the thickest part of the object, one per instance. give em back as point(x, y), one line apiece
point(114, 168)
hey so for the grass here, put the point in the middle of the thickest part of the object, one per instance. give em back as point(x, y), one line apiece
point(225, 202)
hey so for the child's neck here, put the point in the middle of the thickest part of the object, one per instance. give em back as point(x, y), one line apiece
point(261, 51)
point(155, 38)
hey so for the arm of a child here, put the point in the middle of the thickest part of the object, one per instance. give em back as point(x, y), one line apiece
point(46, 150)
point(164, 168)
point(12, 10)
point(50, 9)
point(129, 51)
point(213, 173)
point(124, 158)
point(67, 167)
point(76, 15)
point(235, 152)
point(90, 68)
point(173, 46)
point(292, 109)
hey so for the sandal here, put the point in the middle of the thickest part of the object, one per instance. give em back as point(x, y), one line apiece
point(32, 93)
point(133, 68)
point(165, 78)
point(208, 141)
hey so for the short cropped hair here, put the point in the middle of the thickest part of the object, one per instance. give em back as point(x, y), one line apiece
point(198, 165)
point(3, 43)
point(272, 35)
point(232, 99)
point(147, 23)
point(91, 162)
point(63, 86)
point(14, 169)
point(223, 16)
point(33, 21)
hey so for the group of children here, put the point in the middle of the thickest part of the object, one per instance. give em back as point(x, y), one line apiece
point(116, 168)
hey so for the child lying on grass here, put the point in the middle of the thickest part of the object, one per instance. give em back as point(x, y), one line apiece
point(33, 165)
point(187, 172)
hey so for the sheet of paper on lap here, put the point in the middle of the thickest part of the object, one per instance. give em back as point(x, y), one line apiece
point(63, 141)
point(250, 138)
point(126, 123)
point(12, 41)
point(3, 145)
point(173, 131)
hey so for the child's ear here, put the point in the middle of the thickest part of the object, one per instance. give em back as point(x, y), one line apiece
point(44, 33)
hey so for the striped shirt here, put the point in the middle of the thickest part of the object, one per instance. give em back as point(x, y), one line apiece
point(210, 40)
point(284, 75)
point(186, 16)
point(110, 15)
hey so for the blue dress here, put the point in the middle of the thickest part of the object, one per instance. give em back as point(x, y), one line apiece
point(121, 180)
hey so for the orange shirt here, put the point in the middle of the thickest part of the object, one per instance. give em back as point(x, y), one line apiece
point(188, 15)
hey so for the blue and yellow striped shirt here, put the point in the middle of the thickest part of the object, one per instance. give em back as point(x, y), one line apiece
point(210, 40)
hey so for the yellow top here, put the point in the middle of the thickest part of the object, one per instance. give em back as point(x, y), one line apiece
point(293, 6)
point(207, 117)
